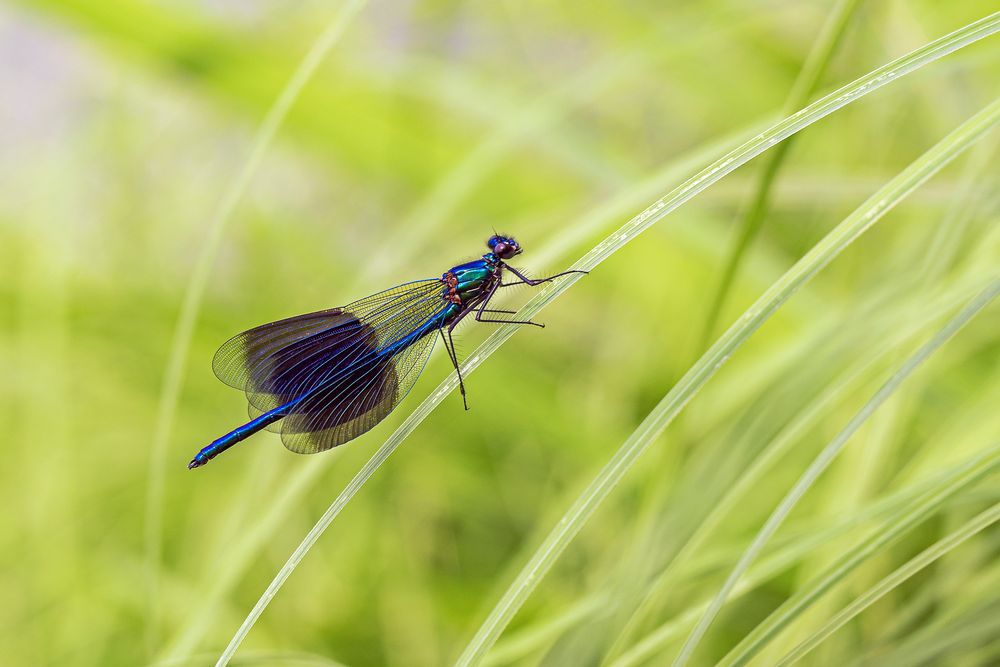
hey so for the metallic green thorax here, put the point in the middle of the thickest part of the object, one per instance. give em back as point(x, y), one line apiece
point(467, 280)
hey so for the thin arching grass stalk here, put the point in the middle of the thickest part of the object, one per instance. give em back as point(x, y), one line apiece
point(929, 644)
point(971, 528)
point(195, 291)
point(750, 223)
point(978, 627)
point(659, 209)
point(916, 507)
point(779, 445)
point(959, 611)
point(829, 453)
point(531, 639)
point(944, 246)
point(812, 534)
point(983, 465)
point(699, 374)
point(889, 508)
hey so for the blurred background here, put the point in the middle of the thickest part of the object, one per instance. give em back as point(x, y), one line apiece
point(125, 123)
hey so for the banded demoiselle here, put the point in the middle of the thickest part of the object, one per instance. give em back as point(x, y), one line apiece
point(324, 378)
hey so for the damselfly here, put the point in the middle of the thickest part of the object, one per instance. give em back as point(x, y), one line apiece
point(325, 378)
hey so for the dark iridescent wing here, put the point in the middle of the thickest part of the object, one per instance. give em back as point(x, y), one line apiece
point(356, 401)
point(329, 359)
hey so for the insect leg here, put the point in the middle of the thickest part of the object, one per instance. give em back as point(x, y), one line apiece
point(483, 319)
point(449, 345)
point(525, 280)
point(482, 309)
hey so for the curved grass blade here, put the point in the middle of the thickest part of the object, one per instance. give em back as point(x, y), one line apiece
point(193, 295)
point(943, 644)
point(750, 223)
point(741, 155)
point(546, 633)
point(829, 453)
point(840, 387)
point(910, 506)
point(981, 467)
point(971, 528)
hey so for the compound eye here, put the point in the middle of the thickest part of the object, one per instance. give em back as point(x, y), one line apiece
point(510, 249)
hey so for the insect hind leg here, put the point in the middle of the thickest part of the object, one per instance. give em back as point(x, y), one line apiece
point(483, 309)
point(449, 345)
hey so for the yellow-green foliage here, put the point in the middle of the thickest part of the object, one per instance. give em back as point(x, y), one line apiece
point(829, 495)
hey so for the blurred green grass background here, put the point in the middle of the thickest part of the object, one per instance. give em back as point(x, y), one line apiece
point(124, 123)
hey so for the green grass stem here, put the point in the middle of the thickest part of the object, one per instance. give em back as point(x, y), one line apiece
point(816, 64)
